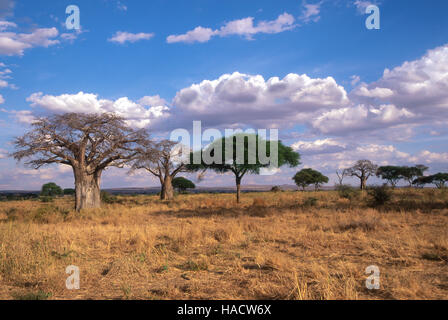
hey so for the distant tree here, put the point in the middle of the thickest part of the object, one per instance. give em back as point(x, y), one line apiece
point(51, 189)
point(182, 184)
point(363, 169)
point(391, 174)
point(163, 160)
point(69, 192)
point(89, 143)
point(439, 180)
point(411, 173)
point(341, 174)
point(239, 161)
point(306, 177)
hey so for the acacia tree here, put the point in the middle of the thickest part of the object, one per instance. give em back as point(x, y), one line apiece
point(163, 160)
point(239, 154)
point(363, 169)
point(182, 184)
point(411, 173)
point(89, 143)
point(390, 173)
point(308, 176)
point(438, 179)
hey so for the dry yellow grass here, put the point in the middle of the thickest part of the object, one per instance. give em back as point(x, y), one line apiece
point(272, 246)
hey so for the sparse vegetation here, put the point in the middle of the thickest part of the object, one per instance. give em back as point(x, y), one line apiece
point(204, 246)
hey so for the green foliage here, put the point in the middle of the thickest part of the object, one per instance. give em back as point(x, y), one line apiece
point(69, 192)
point(390, 173)
point(306, 177)
point(46, 199)
point(106, 197)
point(347, 192)
point(411, 173)
point(380, 195)
point(51, 190)
point(182, 184)
point(439, 180)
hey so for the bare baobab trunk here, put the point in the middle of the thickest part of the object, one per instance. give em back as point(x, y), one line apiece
point(88, 194)
point(363, 183)
point(167, 192)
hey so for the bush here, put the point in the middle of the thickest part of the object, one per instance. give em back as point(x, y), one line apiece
point(69, 192)
point(380, 195)
point(276, 189)
point(347, 192)
point(46, 199)
point(51, 190)
point(106, 197)
point(310, 202)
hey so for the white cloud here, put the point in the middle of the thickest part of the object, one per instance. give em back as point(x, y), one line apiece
point(361, 5)
point(122, 37)
point(319, 146)
point(420, 85)
point(12, 43)
point(244, 27)
point(360, 117)
point(3, 154)
point(240, 98)
point(136, 114)
point(2, 100)
point(310, 12)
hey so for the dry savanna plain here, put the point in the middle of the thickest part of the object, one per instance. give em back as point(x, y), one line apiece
point(283, 245)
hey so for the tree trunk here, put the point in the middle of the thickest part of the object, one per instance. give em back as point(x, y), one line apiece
point(167, 192)
point(363, 183)
point(87, 189)
point(238, 189)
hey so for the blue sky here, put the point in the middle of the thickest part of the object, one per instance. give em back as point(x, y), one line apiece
point(163, 64)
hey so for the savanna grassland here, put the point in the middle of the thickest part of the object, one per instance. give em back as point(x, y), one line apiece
point(285, 245)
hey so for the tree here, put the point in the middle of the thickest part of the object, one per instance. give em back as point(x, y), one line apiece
point(411, 173)
point(341, 174)
point(163, 160)
point(69, 192)
point(89, 143)
point(390, 173)
point(182, 184)
point(306, 177)
point(439, 179)
point(239, 154)
point(363, 169)
point(51, 189)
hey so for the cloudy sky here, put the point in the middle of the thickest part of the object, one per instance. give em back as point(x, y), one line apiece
point(336, 91)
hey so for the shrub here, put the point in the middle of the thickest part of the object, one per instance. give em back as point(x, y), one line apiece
point(51, 189)
point(347, 192)
point(310, 202)
point(276, 189)
point(106, 197)
point(46, 199)
point(380, 195)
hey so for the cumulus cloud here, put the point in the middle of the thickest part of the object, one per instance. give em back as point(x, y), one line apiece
point(243, 27)
point(3, 154)
point(361, 5)
point(420, 85)
point(240, 98)
point(122, 37)
point(135, 113)
point(360, 118)
point(12, 43)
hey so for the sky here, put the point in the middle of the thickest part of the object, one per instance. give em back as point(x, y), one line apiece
point(336, 91)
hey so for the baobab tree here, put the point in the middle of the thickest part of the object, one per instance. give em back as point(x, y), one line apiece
point(362, 169)
point(164, 160)
point(89, 143)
